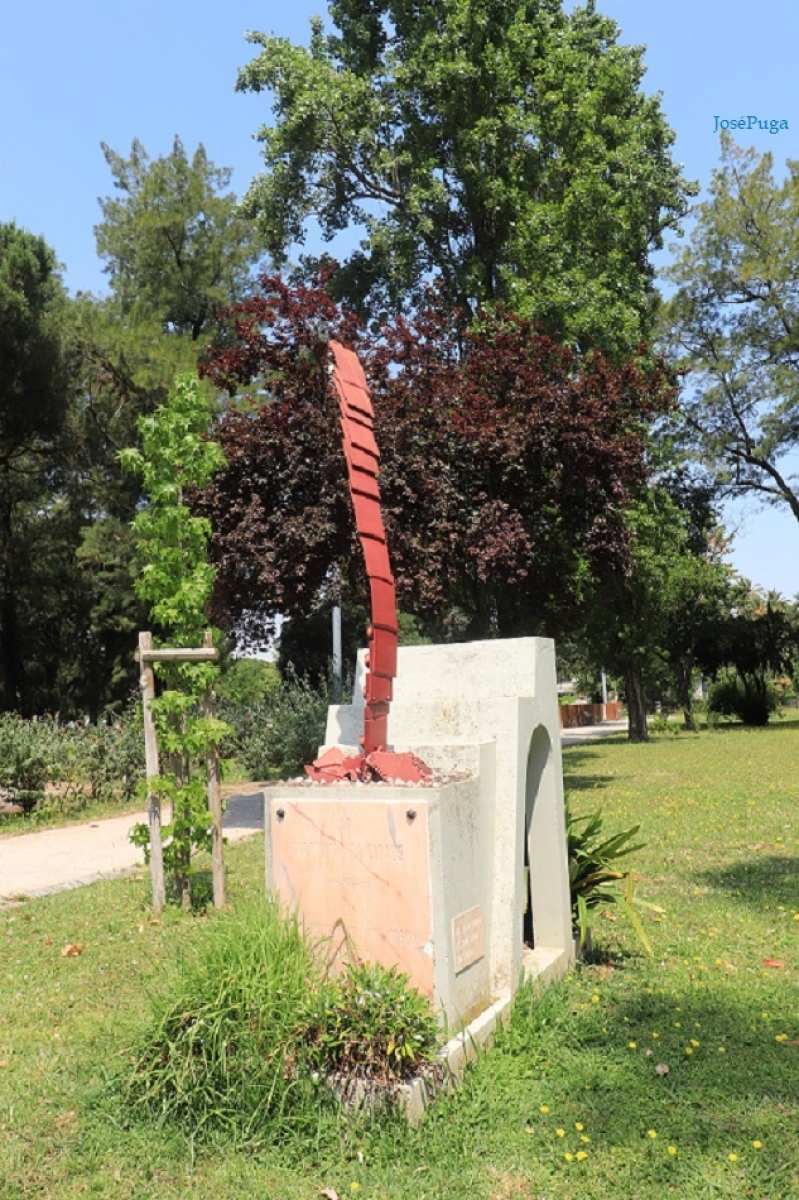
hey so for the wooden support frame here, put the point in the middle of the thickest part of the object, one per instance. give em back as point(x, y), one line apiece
point(146, 655)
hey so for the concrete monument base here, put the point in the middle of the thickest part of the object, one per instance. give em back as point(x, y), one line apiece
point(437, 878)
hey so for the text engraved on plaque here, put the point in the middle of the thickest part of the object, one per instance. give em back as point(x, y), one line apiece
point(358, 872)
point(467, 937)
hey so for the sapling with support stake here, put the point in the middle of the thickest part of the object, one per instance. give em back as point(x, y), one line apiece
point(182, 736)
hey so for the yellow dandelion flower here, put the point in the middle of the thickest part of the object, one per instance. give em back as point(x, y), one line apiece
point(689, 1049)
point(544, 1108)
point(585, 1138)
point(781, 1037)
point(633, 1045)
point(568, 1156)
point(560, 1132)
point(651, 1133)
point(678, 1024)
point(355, 1187)
point(672, 1150)
point(733, 1157)
point(578, 1126)
point(581, 1155)
point(757, 1145)
point(694, 1042)
point(655, 1035)
point(722, 1049)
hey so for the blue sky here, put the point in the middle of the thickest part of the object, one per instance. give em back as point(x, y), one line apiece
point(75, 75)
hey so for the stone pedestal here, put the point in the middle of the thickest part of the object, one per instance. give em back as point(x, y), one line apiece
point(397, 875)
point(443, 893)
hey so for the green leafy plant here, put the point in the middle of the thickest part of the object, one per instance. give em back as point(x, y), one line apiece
point(276, 737)
point(49, 767)
point(594, 874)
point(661, 724)
point(368, 1023)
point(24, 760)
point(248, 1029)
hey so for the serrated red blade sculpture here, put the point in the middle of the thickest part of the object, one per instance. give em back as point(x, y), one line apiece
point(356, 417)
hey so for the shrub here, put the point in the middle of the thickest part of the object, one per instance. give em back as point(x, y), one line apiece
point(368, 1024)
point(26, 751)
point(47, 766)
point(114, 754)
point(247, 682)
point(751, 700)
point(219, 1051)
point(277, 737)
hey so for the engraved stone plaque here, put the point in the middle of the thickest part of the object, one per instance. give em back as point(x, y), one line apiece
point(467, 937)
point(358, 870)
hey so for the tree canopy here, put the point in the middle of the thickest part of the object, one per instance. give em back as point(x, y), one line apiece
point(733, 325)
point(34, 391)
point(505, 471)
point(174, 243)
point(503, 149)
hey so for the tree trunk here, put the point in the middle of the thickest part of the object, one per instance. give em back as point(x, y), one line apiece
point(683, 677)
point(8, 609)
point(636, 707)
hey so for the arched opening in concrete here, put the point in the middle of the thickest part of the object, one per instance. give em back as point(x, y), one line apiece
point(539, 809)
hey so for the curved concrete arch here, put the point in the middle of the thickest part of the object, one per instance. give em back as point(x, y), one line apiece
point(543, 843)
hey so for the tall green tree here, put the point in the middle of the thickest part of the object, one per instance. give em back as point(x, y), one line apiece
point(175, 246)
point(733, 325)
point(501, 148)
point(175, 254)
point(33, 404)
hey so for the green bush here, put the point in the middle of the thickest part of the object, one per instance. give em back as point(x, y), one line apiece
point(751, 700)
point(369, 1024)
point(26, 752)
point(248, 682)
point(277, 737)
point(220, 1050)
point(48, 766)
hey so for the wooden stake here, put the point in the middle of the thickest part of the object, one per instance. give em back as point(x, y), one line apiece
point(147, 683)
point(215, 803)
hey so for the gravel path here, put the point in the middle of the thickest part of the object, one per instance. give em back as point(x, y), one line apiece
point(33, 864)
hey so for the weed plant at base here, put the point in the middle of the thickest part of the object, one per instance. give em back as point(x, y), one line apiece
point(216, 1053)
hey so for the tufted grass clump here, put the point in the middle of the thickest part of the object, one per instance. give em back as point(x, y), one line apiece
point(221, 1049)
point(252, 1039)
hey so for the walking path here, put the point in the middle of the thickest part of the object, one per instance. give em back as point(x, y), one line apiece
point(33, 864)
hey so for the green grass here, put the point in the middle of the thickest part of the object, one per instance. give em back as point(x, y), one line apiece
point(718, 813)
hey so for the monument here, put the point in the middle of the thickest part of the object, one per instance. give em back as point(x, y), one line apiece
point(440, 845)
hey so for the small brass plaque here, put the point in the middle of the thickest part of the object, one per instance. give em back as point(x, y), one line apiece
point(467, 937)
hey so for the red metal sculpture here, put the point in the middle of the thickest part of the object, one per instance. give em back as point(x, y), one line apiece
point(363, 461)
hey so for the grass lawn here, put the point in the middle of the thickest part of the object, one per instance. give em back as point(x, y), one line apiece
point(574, 1101)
